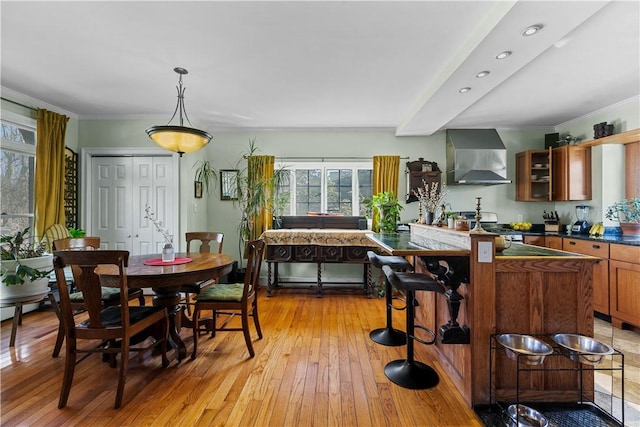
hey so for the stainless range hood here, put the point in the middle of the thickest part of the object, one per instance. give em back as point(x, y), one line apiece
point(476, 157)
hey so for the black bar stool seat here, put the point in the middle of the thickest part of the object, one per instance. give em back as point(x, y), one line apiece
point(410, 373)
point(388, 335)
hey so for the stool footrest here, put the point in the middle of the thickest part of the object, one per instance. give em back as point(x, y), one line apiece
point(427, 330)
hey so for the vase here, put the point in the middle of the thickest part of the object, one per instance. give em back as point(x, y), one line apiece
point(168, 252)
point(630, 228)
point(428, 218)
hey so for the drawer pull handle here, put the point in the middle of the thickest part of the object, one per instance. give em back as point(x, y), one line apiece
point(572, 243)
point(596, 246)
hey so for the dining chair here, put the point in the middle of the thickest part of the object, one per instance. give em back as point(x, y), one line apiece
point(113, 325)
point(232, 299)
point(110, 296)
point(55, 232)
point(208, 242)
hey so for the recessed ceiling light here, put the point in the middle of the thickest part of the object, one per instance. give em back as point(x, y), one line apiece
point(503, 55)
point(482, 74)
point(464, 89)
point(529, 31)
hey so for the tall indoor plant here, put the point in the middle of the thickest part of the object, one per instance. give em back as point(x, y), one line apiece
point(25, 266)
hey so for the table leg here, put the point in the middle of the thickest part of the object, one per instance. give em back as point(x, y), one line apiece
point(17, 320)
point(319, 283)
point(170, 298)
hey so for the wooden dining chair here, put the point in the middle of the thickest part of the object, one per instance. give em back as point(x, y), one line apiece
point(110, 296)
point(236, 298)
point(208, 242)
point(114, 325)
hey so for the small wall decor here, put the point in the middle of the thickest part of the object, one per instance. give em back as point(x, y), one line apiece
point(198, 189)
point(229, 184)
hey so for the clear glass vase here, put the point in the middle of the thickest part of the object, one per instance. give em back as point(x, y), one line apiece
point(168, 252)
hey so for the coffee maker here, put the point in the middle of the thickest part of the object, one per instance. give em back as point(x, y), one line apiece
point(581, 226)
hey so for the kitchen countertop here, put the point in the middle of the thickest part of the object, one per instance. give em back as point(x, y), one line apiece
point(607, 238)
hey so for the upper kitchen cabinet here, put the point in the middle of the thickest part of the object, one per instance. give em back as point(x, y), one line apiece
point(533, 176)
point(558, 174)
point(572, 173)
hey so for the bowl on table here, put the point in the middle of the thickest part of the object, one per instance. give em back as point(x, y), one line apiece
point(530, 350)
point(583, 349)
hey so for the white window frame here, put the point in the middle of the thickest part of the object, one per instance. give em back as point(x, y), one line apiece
point(323, 166)
point(25, 149)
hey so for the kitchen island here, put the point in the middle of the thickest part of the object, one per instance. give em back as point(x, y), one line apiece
point(524, 289)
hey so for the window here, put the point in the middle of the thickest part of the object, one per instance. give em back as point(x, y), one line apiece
point(325, 187)
point(17, 169)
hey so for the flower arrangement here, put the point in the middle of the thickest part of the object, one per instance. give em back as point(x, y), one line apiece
point(432, 195)
point(151, 216)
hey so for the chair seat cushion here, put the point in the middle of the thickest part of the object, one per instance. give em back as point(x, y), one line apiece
point(107, 294)
point(230, 292)
point(111, 315)
point(196, 288)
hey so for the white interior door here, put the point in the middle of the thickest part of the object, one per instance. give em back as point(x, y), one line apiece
point(121, 189)
point(111, 202)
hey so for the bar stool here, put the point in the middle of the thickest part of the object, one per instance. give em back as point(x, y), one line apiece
point(388, 335)
point(408, 372)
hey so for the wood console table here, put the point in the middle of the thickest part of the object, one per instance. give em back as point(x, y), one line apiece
point(317, 246)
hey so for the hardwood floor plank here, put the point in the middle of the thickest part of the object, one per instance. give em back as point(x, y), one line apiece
point(315, 366)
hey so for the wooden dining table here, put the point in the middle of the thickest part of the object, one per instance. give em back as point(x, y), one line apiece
point(166, 280)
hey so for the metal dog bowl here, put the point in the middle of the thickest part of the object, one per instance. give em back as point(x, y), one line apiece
point(530, 350)
point(525, 416)
point(580, 348)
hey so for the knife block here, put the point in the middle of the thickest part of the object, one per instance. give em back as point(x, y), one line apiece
point(552, 226)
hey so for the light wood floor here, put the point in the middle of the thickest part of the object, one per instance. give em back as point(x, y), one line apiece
point(315, 366)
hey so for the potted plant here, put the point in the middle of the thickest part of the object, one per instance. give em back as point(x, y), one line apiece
point(25, 267)
point(386, 208)
point(205, 174)
point(627, 212)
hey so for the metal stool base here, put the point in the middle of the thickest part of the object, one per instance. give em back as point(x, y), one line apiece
point(414, 375)
point(388, 336)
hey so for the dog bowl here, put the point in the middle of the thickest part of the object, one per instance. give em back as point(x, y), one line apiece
point(524, 416)
point(580, 348)
point(530, 350)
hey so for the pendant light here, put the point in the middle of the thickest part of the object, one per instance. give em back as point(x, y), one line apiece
point(180, 139)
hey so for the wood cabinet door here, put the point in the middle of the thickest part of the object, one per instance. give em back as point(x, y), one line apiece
point(553, 242)
point(572, 173)
point(624, 280)
point(534, 240)
point(601, 286)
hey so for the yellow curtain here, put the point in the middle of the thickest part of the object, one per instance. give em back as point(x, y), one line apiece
point(385, 177)
point(49, 185)
point(260, 174)
point(385, 174)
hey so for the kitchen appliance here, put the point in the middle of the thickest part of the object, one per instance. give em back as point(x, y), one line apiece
point(581, 226)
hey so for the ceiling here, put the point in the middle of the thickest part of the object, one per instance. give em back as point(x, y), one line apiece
point(331, 64)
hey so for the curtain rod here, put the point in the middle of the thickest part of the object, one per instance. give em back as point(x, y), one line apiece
point(19, 104)
point(329, 158)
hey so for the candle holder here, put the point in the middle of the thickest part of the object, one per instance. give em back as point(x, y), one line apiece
point(478, 228)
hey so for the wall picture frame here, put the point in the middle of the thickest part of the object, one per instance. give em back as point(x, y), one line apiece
point(197, 189)
point(229, 184)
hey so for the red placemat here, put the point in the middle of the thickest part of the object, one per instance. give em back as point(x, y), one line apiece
point(158, 261)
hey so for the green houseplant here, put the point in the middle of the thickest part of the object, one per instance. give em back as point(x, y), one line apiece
point(386, 208)
point(24, 263)
point(206, 174)
point(627, 212)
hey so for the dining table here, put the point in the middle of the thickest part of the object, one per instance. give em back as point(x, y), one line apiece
point(165, 279)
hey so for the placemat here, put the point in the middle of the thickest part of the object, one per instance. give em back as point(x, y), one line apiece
point(158, 261)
